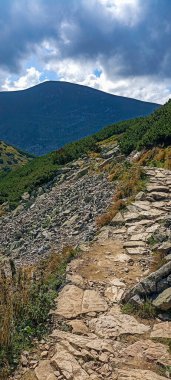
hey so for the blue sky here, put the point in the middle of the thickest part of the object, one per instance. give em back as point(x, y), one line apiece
point(118, 46)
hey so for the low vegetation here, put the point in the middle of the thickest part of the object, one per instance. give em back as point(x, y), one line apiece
point(130, 179)
point(26, 297)
point(157, 156)
point(150, 131)
point(145, 311)
point(151, 134)
point(11, 158)
point(43, 169)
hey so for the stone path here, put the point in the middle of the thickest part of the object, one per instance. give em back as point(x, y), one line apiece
point(92, 338)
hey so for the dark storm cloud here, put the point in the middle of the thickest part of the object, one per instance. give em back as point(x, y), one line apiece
point(80, 31)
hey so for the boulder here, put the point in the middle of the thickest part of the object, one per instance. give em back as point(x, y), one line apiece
point(161, 330)
point(163, 301)
point(148, 286)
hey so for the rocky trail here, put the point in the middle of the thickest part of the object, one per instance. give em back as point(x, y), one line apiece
point(92, 338)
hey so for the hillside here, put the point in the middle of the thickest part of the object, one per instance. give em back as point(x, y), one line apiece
point(11, 158)
point(149, 131)
point(88, 197)
point(146, 132)
point(47, 116)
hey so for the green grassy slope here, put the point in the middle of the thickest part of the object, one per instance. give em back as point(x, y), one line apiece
point(11, 158)
point(147, 132)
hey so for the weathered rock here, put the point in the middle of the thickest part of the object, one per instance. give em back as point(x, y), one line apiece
point(118, 219)
point(114, 293)
point(163, 301)
point(18, 209)
point(68, 365)
point(161, 330)
point(134, 244)
point(26, 196)
point(164, 247)
point(157, 188)
point(73, 301)
point(78, 326)
point(147, 350)
point(111, 326)
point(44, 371)
point(140, 196)
point(88, 342)
point(148, 285)
point(137, 374)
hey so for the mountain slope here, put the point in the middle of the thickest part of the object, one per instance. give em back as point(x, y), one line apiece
point(149, 131)
point(131, 134)
point(49, 115)
point(11, 158)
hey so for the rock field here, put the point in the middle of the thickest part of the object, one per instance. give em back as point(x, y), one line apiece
point(63, 215)
point(92, 338)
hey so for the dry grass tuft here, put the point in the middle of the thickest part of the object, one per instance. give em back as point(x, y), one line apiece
point(129, 181)
point(26, 296)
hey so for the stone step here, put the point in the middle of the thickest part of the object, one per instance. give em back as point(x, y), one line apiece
point(137, 251)
point(158, 196)
point(157, 188)
point(134, 243)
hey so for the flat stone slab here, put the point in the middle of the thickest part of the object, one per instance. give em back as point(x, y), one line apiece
point(142, 205)
point(88, 342)
point(73, 301)
point(131, 216)
point(110, 326)
point(137, 251)
point(134, 243)
point(148, 350)
point(68, 365)
point(137, 374)
point(161, 330)
point(140, 237)
point(44, 371)
point(157, 188)
point(159, 196)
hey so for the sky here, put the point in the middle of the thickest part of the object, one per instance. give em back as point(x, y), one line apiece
point(118, 46)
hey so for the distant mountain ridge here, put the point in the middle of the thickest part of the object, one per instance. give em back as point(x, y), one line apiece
point(46, 117)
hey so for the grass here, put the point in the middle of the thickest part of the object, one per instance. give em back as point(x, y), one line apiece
point(130, 179)
point(145, 311)
point(157, 157)
point(26, 297)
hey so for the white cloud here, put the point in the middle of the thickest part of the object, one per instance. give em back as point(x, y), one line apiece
point(84, 73)
point(143, 88)
point(126, 11)
point(31, 78)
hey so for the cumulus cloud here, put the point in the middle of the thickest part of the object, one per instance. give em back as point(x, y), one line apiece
point(127, 40)
point(31, 78)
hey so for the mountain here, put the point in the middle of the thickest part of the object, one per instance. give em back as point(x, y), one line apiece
point(145, 132)
point(45, 117)
point(11, 158)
